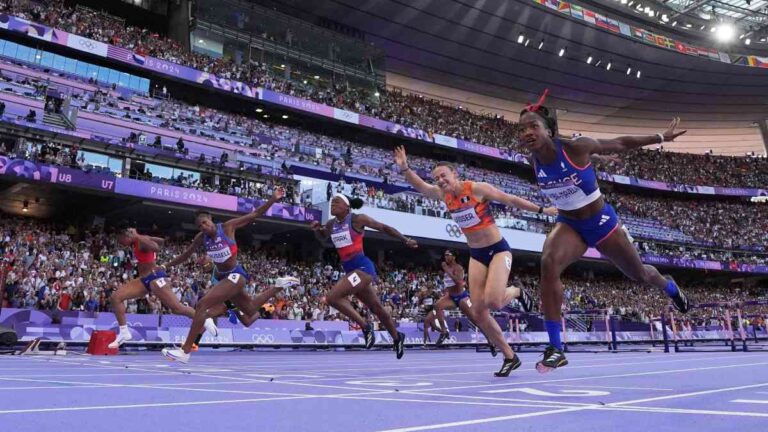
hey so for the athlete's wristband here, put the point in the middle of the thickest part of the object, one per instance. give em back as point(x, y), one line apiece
point(541, 210)
point(661, 137)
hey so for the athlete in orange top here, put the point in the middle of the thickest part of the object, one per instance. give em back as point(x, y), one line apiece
point(491, 258)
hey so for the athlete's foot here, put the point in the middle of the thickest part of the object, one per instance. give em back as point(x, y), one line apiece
point(525, 300)
point(441, 340)
point(553, 359)
point(399, 345)
point(210, 326)
point(508, 366)
point(120, 339)
point(369, 335)
point(679, 299)
point(175, 355)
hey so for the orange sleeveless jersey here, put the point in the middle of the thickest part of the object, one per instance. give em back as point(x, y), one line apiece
point(469, 213)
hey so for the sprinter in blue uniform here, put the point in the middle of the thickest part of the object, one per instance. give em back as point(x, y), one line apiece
point(566, 177)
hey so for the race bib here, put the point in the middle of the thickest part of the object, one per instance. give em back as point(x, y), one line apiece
point(341, 239)
point(220, 255)
point(466, 218)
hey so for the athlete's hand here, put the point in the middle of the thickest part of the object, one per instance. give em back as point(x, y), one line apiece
point(400, 158)
point(278, 194)
point(411, 243)
point(550, 211)
point(670, 134)
point(316, 226)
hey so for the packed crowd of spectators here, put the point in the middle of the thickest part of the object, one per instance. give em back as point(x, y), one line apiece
point(721, 225)
point(412, 110)
point(69, 267)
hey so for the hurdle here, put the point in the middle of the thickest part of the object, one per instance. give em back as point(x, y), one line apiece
point(686, 338)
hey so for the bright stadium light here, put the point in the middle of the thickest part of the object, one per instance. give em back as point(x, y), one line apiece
point(725, 32)
point(638, 74)
point(589, 60)
point(521, 38)
point(562, 52)
point(623, 1)
point(664, 18)
point(527, 41)
point(747, 41)
point(608, 66)
point(629, 70)
point(541, 44)
point(674, 23)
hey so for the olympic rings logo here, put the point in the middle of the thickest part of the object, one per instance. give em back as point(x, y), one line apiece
point(263, 338)
point(86, 43)
point(453, 230)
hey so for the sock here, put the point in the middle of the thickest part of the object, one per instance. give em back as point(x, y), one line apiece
point(671, 288)
point(124, 329)
point(553, 330)
point(198, 338)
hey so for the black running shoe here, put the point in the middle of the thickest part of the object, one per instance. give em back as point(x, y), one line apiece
point(526, 301)
point(399, 345)
point(553, 359)
point(441, 340)
point(508, 366)
point(494, 352)
point(369, 335)
point(680, 300)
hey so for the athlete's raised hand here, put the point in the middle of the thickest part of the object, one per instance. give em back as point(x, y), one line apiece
point(400, 158)
point(670, 134)
point(316, 226)
point(411, 243)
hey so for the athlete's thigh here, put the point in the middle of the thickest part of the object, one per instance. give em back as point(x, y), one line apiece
point(622, 253)
point(445, 303)
point(477, 275)
point(562, 247)
point(131, 290)
point(353, 282)
point(498, 272)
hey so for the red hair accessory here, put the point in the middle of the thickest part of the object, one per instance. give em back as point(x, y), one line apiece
point(535, 107)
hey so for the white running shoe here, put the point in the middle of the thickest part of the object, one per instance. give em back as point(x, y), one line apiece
point(175, 355)
point(287, 282)
point(211, 328)
point(120, 339)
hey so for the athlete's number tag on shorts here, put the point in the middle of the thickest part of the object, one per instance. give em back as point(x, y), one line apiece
point(234, 277)
point(160, 282)
point(508, 262)
point(354, 279)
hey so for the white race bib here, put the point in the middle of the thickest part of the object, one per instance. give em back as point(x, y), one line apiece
point(220, 255)
point(466, 218)
point(341, 239)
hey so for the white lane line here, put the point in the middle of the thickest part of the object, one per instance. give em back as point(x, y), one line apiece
point(167, 404)
point(610, 387)
point(751, 401)
point(595, 377)
point(609, 407)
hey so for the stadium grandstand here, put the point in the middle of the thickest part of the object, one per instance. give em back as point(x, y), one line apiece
point(193, 179)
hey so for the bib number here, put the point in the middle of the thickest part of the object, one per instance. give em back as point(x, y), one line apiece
point(354, 279)
point(234, 277)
